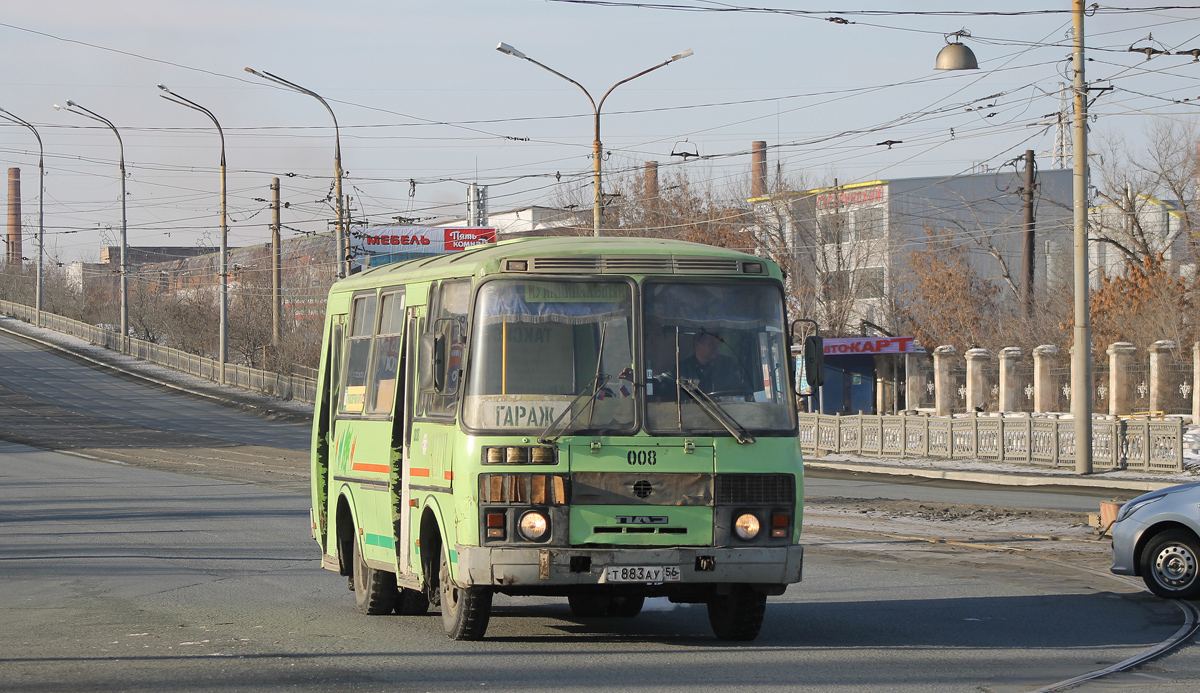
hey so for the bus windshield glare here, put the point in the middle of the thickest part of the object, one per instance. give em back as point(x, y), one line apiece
point(537, 345)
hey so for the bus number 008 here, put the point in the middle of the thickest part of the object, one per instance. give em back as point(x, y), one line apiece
point(642, 457)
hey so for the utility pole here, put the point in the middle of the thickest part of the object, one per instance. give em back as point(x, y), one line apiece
point(276, 278)
point(1081, 353)
point(1027, 259)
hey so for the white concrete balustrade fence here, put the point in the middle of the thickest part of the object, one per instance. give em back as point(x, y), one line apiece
point(1139, 445)
point(295, 387)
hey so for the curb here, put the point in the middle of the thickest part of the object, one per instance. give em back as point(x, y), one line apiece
point(225, 401)
point(994, 478)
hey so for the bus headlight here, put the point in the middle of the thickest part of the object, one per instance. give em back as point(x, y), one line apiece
point(533, 525)
point(746, 526)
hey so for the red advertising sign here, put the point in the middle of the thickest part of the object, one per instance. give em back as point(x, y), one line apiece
point(869, 345)
point(850, 197)
point(417, 239)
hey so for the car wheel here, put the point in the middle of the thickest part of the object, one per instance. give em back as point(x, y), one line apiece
point(1171, 564)
point(374, 590)
point(465, 610)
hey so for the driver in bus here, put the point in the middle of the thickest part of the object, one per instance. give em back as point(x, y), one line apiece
point(712, 371)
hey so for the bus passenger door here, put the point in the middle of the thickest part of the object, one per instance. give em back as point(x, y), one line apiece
point(328, 433)
point(403, 421)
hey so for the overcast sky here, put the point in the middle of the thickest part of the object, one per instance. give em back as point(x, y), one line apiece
point(426, 104)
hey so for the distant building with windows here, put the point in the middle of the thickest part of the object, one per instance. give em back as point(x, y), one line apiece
point(858, 239)
point(532, 221)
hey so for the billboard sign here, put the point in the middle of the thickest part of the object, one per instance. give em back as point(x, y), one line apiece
point(424, 240)
point(869, 345)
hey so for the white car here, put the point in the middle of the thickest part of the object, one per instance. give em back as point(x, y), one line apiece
point(1157, 536)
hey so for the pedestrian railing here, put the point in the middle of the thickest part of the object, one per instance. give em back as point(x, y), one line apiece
point(1141, 445)
point(290, 386)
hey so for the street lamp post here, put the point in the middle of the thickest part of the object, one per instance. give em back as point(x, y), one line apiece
point(955, 56)
point(80, 110)
point(342, 249)
point(37, 300)
point(597, 199)
point(223, 271)
point(1081, 355)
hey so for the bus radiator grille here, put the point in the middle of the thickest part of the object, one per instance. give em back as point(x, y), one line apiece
point(755, 489)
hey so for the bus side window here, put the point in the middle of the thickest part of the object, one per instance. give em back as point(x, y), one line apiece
point(450, 300)
point(382, 391)
point(333, 388)
point(358, 355)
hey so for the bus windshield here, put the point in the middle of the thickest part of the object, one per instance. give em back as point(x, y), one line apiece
point(537, 345)
point(725, 340)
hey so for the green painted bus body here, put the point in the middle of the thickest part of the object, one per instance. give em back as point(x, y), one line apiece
point(358, 471)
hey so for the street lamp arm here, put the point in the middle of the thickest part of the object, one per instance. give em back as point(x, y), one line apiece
point(188, 103)
point(20, 121)
point(342, 250)
point(296, 87)
point(668, 61)
point(630, 79)
point(80, 110)
point(595, 108)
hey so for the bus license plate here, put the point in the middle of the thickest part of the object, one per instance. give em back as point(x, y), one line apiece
point(641, 573)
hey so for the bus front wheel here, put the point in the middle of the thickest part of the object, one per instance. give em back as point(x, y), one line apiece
point(737, 615)
point(465, 610)
point(374, 590)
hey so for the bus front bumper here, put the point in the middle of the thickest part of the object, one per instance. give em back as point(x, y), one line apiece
point(502, 567)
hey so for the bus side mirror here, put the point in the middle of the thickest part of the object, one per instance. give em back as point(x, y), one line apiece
point(814, 360)
point(431, 369)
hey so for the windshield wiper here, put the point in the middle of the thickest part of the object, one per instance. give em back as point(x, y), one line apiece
point(716, 411)
point(595, 385)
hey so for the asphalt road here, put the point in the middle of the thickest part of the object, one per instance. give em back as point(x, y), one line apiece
point(45, 376)
point(126, 577)
point(118, 578)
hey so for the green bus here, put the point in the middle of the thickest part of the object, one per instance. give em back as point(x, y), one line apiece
point(601, 419)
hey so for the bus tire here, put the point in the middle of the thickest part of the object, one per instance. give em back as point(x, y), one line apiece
point(411, 602)
point(374, 590)
point(465, 610)
point(738, 615)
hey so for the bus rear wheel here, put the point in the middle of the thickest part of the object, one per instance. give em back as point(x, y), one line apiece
point(737, 615)
point(465, 610)
point(374, 590)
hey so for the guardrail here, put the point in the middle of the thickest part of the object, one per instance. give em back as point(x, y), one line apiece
point(295, 387)
point(1149, 446)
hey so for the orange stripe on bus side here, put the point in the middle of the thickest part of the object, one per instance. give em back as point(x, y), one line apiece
point(381, 468)
point(417, 471)
point(449, 476)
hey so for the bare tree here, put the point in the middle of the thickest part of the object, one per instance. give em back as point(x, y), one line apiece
point(1148, 197)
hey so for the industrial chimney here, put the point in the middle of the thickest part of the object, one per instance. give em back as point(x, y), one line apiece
point(12, 257)
point(651, 182)
point(758, 169)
